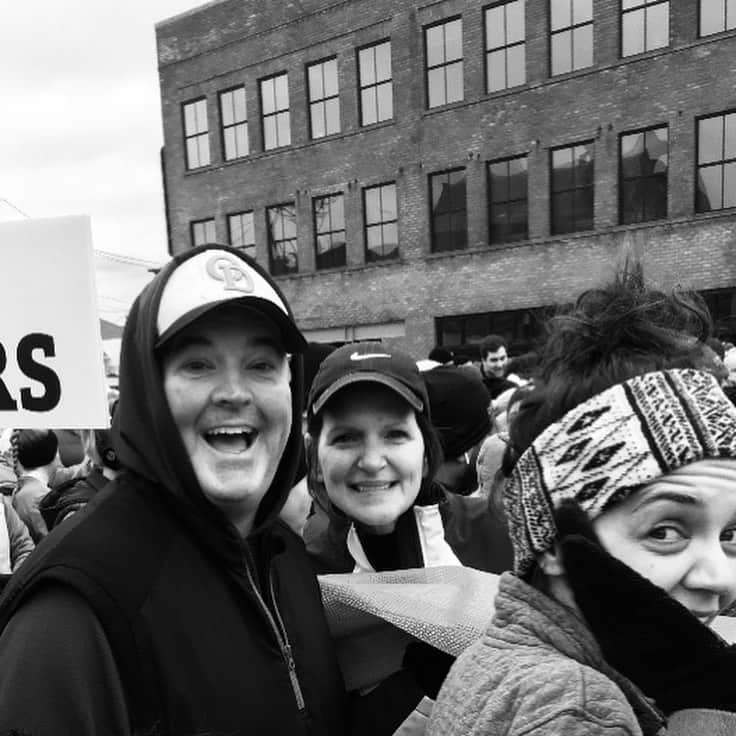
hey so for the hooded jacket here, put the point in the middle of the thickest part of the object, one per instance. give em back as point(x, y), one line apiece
point(177, 624)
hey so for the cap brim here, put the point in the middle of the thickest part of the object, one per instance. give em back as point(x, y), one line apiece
point(294, 341)
point(368, 376)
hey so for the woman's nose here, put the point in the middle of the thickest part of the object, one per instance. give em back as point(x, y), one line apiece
point(371, 457)
point(713, 571)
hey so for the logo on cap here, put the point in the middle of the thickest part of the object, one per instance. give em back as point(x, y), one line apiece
point(368, 356)
point(231, 272)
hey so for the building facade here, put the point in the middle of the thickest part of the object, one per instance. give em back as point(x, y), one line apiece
point(431, 172)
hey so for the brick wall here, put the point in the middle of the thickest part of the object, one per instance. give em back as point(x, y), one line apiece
point(228, 43)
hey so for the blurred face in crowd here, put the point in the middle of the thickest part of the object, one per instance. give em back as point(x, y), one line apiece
point(679, 532)
point(226, 379)
point(494, 362)
point(370, 455)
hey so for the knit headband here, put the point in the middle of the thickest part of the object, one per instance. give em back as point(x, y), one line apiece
point(610, 445)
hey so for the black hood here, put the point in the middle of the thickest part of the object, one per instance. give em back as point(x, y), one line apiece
point(147, 440)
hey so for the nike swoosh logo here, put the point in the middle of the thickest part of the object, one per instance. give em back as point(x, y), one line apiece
point(368, 356)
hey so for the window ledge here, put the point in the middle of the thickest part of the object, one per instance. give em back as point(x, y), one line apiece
point(342, 270)
point(258, 155)
point(446, 106)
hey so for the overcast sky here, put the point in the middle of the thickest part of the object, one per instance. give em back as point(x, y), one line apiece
point(80, 128)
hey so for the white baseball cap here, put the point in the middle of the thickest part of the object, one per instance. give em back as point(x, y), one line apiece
point(215, 277)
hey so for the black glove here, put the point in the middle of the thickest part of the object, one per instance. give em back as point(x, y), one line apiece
point(643, 632)
point(428, 665)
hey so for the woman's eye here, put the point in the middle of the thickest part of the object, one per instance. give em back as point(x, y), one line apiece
point(263, 366)
point(728, 536)
point(196, 366)
point(397, 434)
point(666, 534)
point(342, 438)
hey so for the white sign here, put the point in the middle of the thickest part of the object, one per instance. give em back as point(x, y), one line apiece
point(51, 368)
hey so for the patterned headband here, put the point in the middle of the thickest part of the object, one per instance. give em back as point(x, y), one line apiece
point(611, 444)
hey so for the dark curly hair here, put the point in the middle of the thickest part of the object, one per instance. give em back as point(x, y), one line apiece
point(611, 334)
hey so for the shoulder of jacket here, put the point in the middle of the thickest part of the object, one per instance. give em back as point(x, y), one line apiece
point(532, 690)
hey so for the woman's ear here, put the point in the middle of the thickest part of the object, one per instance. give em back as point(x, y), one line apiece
point(425, 467)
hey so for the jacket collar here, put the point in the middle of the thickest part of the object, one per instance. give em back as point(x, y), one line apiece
point(523, 613)
point(433, 548)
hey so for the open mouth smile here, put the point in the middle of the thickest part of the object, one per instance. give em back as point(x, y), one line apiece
point(231, 440)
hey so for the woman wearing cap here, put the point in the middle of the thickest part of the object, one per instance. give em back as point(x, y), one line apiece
point(373, 456)
point(622, 510)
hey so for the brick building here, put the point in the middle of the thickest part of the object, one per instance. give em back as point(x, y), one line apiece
point(434, 171)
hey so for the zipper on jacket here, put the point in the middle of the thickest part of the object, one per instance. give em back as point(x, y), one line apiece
point(288, 653)
point(280, 631)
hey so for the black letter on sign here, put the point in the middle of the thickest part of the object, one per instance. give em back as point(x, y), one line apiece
point(38, 372)
point(7, 402)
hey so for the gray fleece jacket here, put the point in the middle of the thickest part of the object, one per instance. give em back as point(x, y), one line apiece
point(538, 671)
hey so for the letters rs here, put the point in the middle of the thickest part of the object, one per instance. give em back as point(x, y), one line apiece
point(34, 370)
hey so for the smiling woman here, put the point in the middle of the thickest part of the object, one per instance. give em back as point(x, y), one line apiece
point(373, 456)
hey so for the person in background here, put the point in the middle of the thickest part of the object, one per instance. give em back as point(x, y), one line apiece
point(493, 359)
point(458, 408)
point(175, 601)
point(621, 504)
point(71, 446)
point(38, 459)
point(15, 541)
point(521, 368)
point(66, 499)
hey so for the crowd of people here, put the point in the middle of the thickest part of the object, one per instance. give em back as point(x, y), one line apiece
point(161, 577)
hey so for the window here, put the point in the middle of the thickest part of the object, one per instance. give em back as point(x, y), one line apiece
point(572, 188)
point(203, 231)
point(716, 185)
point(381, 223)
point(505, 45)
point(329, 231)
point(242, 233)
point(449, 219)
point(643, 175)
point(721, 304)
point(324, 103)
point(443, 46)
point(196, 134)
point(507, 200)
point(282, 249)
point(275, 110)
point(571, 25)
point(234, 123)
point(645, 25)
point(717, 16)
point(376, 87)
point(522, 329)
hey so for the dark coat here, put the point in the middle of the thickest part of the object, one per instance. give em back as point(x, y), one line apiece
point(186, 628)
